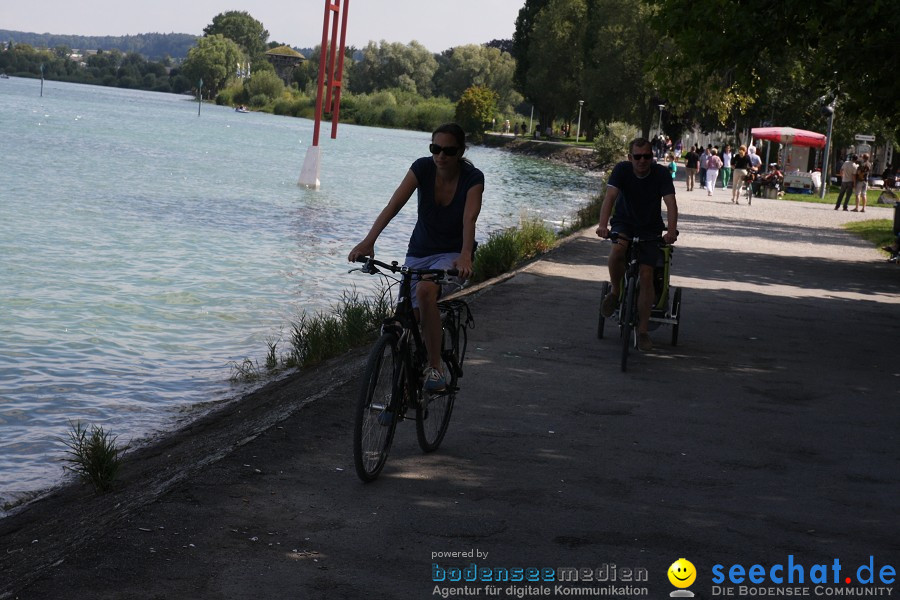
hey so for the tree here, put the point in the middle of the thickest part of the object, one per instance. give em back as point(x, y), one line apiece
point(383, 66)
point(264, 83)
point(465, 66)
point(475, 109)
point(555, 58)
point(522, 39)
point(214, 59)
point(615, 82)
point(839, 48)
point(241, 28)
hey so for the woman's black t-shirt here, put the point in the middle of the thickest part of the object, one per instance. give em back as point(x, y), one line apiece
point(439, 229)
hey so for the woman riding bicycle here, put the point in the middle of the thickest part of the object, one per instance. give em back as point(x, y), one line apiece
point(449, 200)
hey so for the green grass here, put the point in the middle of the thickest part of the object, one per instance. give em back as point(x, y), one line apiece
point(507, 248)
point(879, 232)
point(93, 455)
point(831, 196)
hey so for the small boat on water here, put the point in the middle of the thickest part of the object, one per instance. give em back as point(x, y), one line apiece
point(4, 76)
point(241, 109)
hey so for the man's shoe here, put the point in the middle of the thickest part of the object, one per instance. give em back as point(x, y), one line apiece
point(644, 343)
point(434, 380)
point(608, 306)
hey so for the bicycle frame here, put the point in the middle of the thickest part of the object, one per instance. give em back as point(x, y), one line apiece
point(660, 308)
point(381, 405)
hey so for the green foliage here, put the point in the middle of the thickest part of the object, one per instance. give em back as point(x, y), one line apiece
point(789, 56)
point(610, 146)
point(387, 65)
point(258, 101)
point(879, 231)
point(556, 58)
point(506, 248)
point(495, 256)
point(352, 322)
point(214, 60)
point(241, 28)
point(396, 108)
point(473, 64)
point(93, 455)
point(232, 95)
point(153, 46)
point(475, 109)
point(266, 84)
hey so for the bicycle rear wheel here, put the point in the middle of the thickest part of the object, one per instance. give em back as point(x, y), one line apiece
point(629, 314)
point(434, 408)
point(676, 314)
point(377, 408)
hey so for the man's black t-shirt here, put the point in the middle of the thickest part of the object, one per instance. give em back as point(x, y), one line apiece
point(639, 204)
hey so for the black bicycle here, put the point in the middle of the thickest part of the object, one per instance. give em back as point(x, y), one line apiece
point(393, 384)
point(662, 312)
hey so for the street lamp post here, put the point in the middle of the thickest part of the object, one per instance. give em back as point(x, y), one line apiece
point(827, 110)
point(659, 126)
point(578, 130)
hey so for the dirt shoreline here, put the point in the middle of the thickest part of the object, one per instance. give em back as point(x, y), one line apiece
point(556, 152)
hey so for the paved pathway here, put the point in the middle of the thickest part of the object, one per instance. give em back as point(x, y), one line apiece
point(770, 430)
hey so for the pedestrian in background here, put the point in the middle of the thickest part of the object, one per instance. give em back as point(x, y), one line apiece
point(704, 162)
point(691, 162)
point(741, 164)
point(726, 166)
point(848, 181)
point(862, 182)
point(713, 164)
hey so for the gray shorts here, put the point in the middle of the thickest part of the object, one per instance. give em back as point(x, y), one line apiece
point(435, 261)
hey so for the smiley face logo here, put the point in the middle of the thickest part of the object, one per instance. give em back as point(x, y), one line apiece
point(682, 573)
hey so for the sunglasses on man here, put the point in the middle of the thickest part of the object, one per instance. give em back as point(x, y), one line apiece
point(647, 156)
point(447, 150)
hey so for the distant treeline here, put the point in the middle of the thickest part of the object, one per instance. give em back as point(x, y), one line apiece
point(152, 46)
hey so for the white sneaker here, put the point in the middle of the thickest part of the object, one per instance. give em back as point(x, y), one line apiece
point(434, 380)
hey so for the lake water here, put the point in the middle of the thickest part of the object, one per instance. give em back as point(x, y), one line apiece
point(144, 249)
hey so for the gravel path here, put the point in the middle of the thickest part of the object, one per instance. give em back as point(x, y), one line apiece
point(710, 222)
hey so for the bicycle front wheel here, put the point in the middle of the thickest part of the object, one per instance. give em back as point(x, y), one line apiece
point(434, 408)
point(629, 315)
point(377, 408)
point(604, 290)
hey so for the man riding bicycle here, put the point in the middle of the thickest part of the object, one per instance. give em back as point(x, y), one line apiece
point(636, 187)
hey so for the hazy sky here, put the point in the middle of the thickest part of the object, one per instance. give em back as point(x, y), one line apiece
point(437, 24)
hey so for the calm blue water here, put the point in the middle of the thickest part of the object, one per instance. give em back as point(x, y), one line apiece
point(144, 249)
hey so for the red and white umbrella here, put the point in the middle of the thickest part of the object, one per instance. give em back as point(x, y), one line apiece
point(789, 135)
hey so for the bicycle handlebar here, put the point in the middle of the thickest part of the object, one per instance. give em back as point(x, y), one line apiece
point(394, 267)
point(614, 235)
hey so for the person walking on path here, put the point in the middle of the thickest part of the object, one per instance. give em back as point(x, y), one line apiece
point(704, 163)
point(691, 162)
point(726, 166)
point(637, 187)
point(713, 164)
point(741, 165)
point(862, 182)
point(848, 181)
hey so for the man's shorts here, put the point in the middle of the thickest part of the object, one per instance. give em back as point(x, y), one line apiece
point(647, 254)
point(435, 261)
